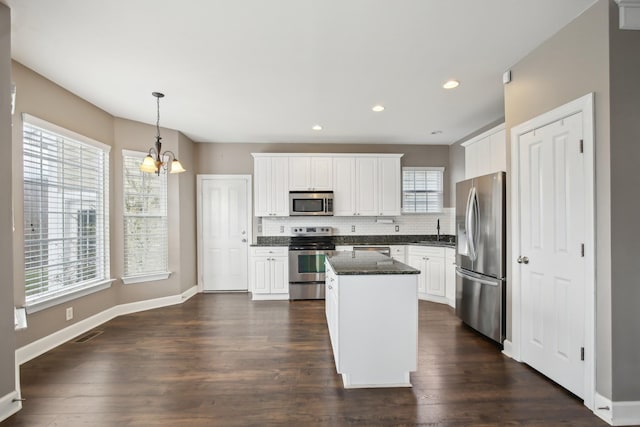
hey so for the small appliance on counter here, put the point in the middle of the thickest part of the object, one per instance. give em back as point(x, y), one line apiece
point(480, 254)
point(308, 249)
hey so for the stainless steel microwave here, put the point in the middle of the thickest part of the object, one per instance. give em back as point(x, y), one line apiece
point(302, 203)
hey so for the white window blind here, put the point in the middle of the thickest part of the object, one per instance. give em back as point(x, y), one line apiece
point(146, 233)
point(422, 189)
point(66, 224)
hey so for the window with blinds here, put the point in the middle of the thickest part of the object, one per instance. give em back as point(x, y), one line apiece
point(66, 223)
point(422, 189)
point(146, 233)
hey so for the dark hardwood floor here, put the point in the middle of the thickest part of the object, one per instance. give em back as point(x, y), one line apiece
point(223, 360)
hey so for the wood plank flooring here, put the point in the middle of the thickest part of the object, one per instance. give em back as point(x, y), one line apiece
point(223, 360)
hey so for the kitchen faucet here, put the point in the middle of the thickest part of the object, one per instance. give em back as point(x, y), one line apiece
point(438, 229)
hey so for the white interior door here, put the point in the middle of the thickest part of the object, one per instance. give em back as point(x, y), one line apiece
point(551, 256)
point(224, 233)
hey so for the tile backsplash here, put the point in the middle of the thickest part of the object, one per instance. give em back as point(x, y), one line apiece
point(344, 225)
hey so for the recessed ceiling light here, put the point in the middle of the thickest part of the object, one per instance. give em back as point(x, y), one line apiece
point(436, 132)
point(377, 108)
point(316, 127)
point(450, 84)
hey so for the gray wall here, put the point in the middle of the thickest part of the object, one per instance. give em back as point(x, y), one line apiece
point(42, 98)
point(7, 334)
point(624, 49)
point(567, 66)
point(187, 189)
point(236, 158)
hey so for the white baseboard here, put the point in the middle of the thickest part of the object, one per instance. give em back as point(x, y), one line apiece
point(9, 405)
point(41, 346)
point(269, 297)
point(507, 348)
point(617, 413)
point(433, 298)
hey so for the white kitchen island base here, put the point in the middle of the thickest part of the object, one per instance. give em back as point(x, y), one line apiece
point(373, 322)
point(369, 380)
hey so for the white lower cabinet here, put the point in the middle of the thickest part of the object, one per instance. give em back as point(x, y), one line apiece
point(269, 272)
point(450, 276)
point(431, 263)
point(399, 253)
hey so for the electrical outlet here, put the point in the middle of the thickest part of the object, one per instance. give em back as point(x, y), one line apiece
point(282, 228)
point(397, 228)
point(69, 313)
point(353, 228)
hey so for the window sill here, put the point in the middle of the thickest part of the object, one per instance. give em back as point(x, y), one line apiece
point(146, 278)
point(42, 304)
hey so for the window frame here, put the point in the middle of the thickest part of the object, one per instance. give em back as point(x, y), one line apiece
point(146, 276)
point(440, 208)
point(68, 291)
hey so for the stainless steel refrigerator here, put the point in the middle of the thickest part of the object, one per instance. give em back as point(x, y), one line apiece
point(480, 254)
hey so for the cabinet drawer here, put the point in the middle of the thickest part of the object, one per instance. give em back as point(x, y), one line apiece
point(269, 250)
point(426, 251)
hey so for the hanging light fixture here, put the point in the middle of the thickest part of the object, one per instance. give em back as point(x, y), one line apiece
point(155, 161)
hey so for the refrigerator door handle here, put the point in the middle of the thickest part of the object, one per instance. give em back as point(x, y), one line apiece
point(471, 219)
point(483, 281)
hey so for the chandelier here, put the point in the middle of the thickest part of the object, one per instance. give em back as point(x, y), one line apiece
point(155, 161)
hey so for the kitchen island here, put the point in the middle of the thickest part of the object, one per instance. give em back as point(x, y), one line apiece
point(372, 314)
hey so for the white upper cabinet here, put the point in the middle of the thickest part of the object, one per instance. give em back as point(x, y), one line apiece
point(486, 153)
point(362, 184)
point(271, 183)
point(310, 173)
point(344, 181)
point(389, 186)
point(367, 185)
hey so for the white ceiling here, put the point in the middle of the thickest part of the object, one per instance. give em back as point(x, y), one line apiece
point(267, 71)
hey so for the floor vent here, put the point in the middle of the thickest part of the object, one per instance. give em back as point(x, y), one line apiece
point(88, 336)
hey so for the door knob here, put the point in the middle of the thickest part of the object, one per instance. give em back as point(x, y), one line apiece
point(523, 260)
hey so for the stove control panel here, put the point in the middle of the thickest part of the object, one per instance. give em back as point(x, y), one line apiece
point(311, 231)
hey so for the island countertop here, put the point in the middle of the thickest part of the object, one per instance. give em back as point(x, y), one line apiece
point(365, 263)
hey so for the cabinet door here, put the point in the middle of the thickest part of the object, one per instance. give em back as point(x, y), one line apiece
point(389, 186)
point(299, 173)
point(399, 253)
point(279, 275)
point(498, 142)
point(280, 186)
point(367, 186)
point(260, 275)
point(262, 185)
point(321, 173)
point(435, 276)
point(344, 183)
point(450, 277)
point(471, 160)
point(418, 261)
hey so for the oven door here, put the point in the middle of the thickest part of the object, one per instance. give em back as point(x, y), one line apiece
point(307, 266)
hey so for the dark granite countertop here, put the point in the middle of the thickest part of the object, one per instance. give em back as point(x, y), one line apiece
point(446, 241)
point(365, 263)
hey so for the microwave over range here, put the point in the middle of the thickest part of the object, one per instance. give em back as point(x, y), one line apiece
point(302, 203)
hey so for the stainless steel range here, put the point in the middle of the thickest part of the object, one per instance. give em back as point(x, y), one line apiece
point(308, 249)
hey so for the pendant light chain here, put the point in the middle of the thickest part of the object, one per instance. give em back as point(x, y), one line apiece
point(158, 117)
